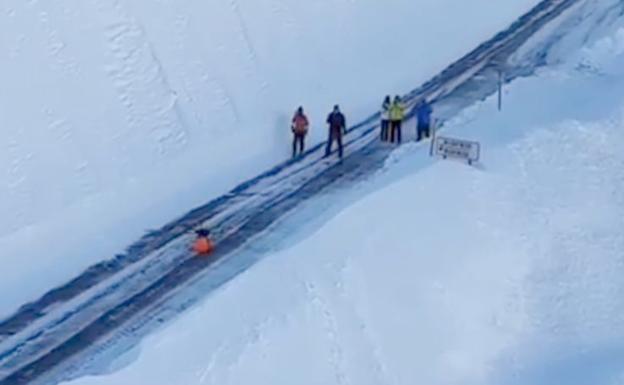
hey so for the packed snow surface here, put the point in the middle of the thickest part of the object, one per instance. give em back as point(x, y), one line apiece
point(505, 273)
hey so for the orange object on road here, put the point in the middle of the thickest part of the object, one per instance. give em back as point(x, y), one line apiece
point(203, 246)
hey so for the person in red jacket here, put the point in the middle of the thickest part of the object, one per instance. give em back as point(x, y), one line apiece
point(300, 125)
point(203, 245)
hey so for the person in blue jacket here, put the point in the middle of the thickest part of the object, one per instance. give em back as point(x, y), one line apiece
point(423, 116)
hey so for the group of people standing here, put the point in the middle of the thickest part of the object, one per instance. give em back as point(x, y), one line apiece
point(393, 112)
point(337, 129)
point(392, 115)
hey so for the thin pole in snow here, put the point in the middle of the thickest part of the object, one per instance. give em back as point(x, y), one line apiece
point(500, 90)
point(433, 136)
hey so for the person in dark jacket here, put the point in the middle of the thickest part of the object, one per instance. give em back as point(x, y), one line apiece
point(337, 128)
point(385, 118)
point(423, 116)
point(299, 128)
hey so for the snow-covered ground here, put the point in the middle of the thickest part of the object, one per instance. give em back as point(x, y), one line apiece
point(506, 273)
point(118, 116)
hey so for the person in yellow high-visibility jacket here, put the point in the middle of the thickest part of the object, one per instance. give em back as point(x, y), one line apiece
point(397, 114)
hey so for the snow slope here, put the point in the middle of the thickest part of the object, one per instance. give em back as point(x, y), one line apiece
point(73, 328)
point(505, 273)
point(117, 116)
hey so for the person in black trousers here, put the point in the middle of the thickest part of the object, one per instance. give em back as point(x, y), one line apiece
point(397, 114)
point(337, 128)
point(299, 128)
point(385, 118)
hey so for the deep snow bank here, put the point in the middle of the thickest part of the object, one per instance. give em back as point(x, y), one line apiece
point(116, 116)
point(508, 273)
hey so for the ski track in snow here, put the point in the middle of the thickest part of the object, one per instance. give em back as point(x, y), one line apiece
point(337, 358)
point(131, 56)
point(252, 54)
point(354, 352)
point(376, 360)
